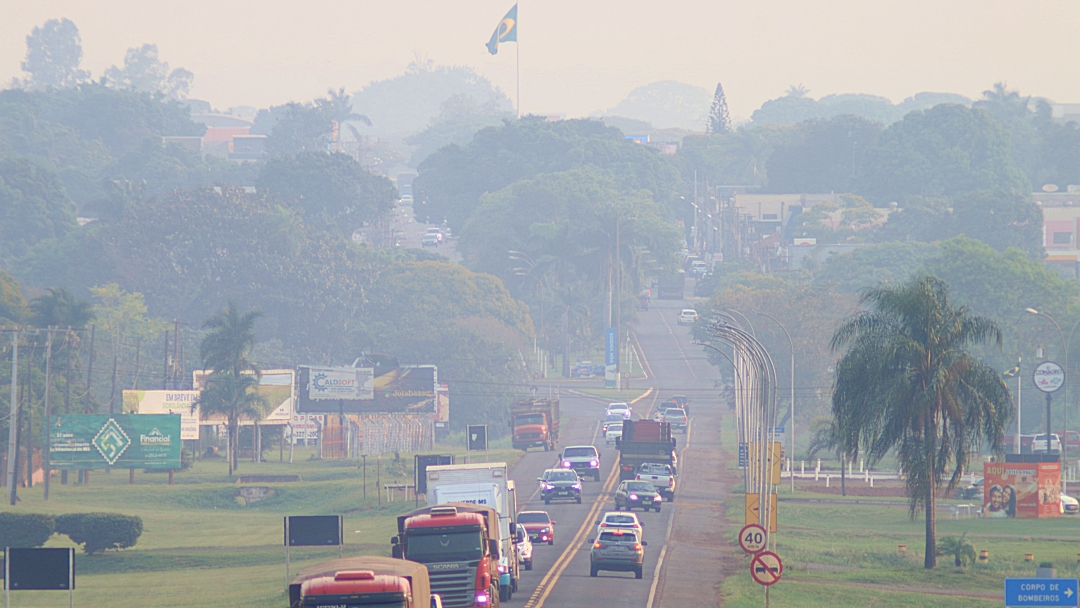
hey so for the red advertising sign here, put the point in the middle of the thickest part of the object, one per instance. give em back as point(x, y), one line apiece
point(1021, 489)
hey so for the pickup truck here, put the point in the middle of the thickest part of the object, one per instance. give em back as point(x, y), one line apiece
point(676, 417)
point(660, 476)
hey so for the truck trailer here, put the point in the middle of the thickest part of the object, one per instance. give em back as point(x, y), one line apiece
point(534, 423)
point(645, 441)
point(381, 582)
point(459, 545)
point(487, 484)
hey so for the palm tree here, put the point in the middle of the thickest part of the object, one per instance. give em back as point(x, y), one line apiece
point(959, 548)
point(229, 390)
point(908, 383)
point(236, 398)
point(338, 107)
point(59, 308)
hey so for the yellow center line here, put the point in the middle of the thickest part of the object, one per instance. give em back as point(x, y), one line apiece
point(547, 584)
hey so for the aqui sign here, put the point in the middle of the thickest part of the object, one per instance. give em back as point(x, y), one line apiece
point(1048, 377)
point(1041, 592)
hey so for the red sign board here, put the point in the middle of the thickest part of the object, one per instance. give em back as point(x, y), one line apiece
point(766, 568)
point(1024, 490)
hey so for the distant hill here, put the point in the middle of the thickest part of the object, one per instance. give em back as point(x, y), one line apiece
point(666, 104)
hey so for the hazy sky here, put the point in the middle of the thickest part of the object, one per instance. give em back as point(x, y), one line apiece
point(577, 57)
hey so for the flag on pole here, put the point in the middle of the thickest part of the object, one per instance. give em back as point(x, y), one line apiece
point(1012, 372)
point(505, 32)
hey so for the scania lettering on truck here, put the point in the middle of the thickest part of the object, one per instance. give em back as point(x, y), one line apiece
point(358, 582)
point(486, 484)
point(535, 423)
point(459, 545)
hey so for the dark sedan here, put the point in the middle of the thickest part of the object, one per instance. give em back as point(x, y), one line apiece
point(560, 484)
point(633, 494)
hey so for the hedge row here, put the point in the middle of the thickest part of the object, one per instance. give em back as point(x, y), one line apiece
point(94, 531)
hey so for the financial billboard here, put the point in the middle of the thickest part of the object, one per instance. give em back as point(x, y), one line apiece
point(275, 385)
point(125, 441)
point(401, 390)
point(167, 402)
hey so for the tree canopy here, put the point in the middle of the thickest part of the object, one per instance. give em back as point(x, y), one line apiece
point(53, 55)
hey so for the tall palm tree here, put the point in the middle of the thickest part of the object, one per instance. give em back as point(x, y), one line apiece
point(59, 308)
point(338, 107)
point(236, 398)
point(908, 383)
point(230, 389)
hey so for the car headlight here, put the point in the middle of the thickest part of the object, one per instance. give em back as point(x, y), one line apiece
point(548, 486)
point(658, 498)
point(545, 530)
point(566, 464)
point(577, 486)
point(633, 497)
point(502, 569)
point(482, 598)
point(594, 463)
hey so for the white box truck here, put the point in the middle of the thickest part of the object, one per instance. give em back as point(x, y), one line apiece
point(482, 483)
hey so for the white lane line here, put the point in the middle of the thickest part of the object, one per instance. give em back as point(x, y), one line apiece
point(667, 535)
point(678, 345)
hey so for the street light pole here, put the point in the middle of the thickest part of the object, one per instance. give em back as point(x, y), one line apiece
point(791, 345)
point(1064, 345)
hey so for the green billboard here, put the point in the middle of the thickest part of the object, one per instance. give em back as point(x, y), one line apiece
point(123, 441)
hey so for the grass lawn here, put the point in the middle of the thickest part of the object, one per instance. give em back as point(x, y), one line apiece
point(845, 553)
point(201, 546)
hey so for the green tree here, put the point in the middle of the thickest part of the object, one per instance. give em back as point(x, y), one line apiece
point(825, 437)
point(959, 549)
point(907, 382)
point(338, 106)
point(333, 191)
point(144, 72)
point(12, 304)
point(944, 151)
point(719, 121)
point(738, 157)
point(59, 308)
point(821, 155)
point(53, 54)
point(33, 207)
point(230, 389)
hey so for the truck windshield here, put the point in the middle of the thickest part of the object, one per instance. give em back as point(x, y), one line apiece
point(428, 548)
point(530, 419)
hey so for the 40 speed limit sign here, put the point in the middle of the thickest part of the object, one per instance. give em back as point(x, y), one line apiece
point(753, 538)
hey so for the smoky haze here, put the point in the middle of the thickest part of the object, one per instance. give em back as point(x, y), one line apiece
point(579, 58)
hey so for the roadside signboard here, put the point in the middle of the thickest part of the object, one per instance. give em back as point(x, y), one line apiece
point(753, 538)
point(742, 454)
point(124, 441)
point(1048, 377)
point(766, 568)
point(611, 356)
point(477, 437)
point(1041, 592)
point(407, 389)
point(275, 385)
point(1021, 490)
point(167, 402)
point(39, 569)
point(752, 501)
point(333, 383)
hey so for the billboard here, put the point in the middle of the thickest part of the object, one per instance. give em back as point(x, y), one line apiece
point(276, 385)
point(167, 402)
point(442, 405)
point(336, 383)
point(408, 389)
point(1021, 489)
point(125, 441)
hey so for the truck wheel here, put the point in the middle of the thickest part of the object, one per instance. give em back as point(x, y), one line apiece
point(579, 500)
point(528, 564)
point(596, 476)
point(552, 541)
point(657, 509)
point(593, 571)
point(637, 573)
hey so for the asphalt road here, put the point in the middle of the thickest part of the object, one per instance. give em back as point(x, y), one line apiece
point(686, 534)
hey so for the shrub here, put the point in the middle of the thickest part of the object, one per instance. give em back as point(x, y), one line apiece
point(100, 531)
point(25, 530)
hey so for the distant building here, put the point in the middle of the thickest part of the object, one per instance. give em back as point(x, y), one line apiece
point(1061, 229)
point(222, 134)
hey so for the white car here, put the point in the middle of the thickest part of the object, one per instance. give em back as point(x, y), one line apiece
point(688, 316)
point(613, 432)
point(1069, 505)
point(619, 519)
point(525, 547)
point(619, 408)
point(438, 233)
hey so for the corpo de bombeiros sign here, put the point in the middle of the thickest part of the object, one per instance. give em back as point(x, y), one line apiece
point(1048, 377)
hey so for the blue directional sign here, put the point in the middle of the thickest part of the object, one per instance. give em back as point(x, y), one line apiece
point(1041, 592)
point(743, 448)
point(611, 352)
point(778, 430)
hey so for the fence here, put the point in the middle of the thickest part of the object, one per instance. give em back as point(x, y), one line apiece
point(374, 435)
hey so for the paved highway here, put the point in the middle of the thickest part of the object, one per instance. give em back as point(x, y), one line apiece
point(686, 534)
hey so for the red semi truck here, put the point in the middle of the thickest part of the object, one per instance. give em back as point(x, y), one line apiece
point(459, 544)
point(535, 423)
point(380, 582)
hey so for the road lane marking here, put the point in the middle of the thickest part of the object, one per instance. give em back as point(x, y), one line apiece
point(641, 357)
point(678, 345)
point(667, 535)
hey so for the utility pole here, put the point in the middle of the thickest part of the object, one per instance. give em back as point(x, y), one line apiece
point(165, 367)
point(618, 288)
point(45, 421)
point(13, 414)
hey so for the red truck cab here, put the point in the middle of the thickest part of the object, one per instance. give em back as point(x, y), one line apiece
point(378, 582)
point(459, 544)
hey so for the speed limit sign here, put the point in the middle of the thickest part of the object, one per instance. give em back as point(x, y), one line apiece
point(753, 538)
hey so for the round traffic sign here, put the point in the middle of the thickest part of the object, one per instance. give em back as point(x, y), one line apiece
point(753, 538)
point(766, 568)
point(1048, 377)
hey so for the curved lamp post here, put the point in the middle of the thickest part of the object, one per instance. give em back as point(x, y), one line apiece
point(791, 345)
point(1065, 408)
